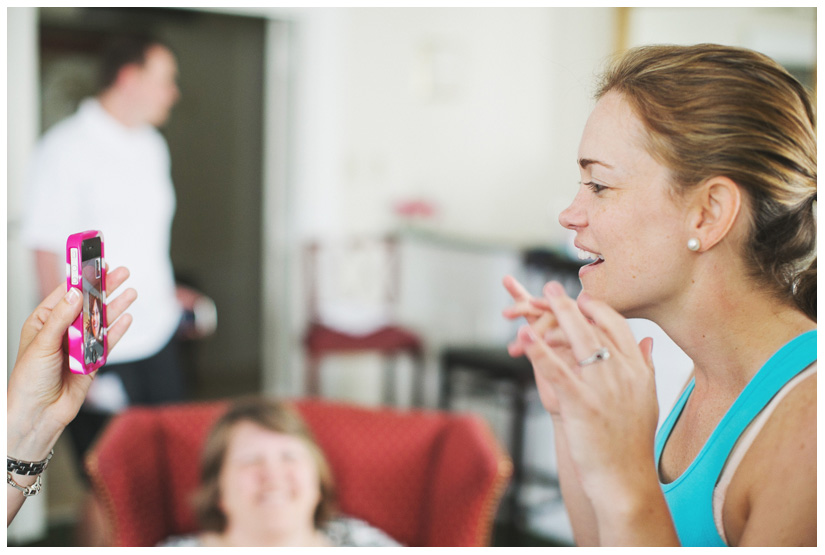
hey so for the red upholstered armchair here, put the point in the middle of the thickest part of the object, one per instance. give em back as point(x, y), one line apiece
point(427, 478)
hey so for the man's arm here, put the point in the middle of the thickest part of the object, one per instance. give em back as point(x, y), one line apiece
point(49, 268)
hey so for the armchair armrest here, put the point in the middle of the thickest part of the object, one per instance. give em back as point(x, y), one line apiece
point(469, 477)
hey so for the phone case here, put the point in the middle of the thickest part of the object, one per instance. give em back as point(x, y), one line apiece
point(77, 359)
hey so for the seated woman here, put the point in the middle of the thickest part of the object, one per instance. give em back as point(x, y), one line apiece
point(265, 482)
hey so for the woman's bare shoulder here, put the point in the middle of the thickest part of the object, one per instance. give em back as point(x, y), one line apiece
point(779, 470)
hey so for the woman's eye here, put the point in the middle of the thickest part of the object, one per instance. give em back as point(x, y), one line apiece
point(595, 187)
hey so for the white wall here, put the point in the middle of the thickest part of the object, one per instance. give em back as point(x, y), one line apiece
point(19, 293)
point(22, 125)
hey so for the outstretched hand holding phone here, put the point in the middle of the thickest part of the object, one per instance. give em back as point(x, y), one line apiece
point(43, 395)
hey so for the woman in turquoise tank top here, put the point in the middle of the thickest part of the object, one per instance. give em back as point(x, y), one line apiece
point(697, 202)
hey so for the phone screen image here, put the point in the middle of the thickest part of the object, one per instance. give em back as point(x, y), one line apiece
point(93, 320)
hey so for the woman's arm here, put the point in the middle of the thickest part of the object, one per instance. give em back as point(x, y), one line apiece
point(43, 396)
point(578, 506)
point(607, 414)
point(544, 324)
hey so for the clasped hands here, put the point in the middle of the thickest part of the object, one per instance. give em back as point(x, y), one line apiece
point(607, 408)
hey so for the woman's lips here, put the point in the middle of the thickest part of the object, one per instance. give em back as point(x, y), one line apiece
point(590, 267)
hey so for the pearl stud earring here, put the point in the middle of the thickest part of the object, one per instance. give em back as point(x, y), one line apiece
point(693, 244)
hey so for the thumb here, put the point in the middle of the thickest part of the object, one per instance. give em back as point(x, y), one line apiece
point(646, 347)
point(50, 337)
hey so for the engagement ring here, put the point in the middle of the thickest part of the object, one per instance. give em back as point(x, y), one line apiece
point(601, 354)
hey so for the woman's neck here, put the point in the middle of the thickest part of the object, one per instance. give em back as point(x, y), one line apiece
point(729, 334)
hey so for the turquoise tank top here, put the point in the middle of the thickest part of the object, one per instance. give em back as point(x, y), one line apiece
point(690, 496)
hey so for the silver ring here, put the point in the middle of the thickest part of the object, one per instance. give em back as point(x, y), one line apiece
point(601, 354)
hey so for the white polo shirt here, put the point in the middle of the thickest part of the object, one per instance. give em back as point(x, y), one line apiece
point(91, 172)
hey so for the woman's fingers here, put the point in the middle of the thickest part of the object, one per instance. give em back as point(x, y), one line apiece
point(49, 321)
point(521, 310)
point(34, 323)
point(540, 304)
point(117, 321)
point(523, 307)
point(545, 326)
point(119, 304)
point(516, 289)
point(60, 317)
point(646, 348)
point(116, 330)
point(52, 299)
point(609, 322)
point(582, 337)
point(115, 279)
point(547, 364)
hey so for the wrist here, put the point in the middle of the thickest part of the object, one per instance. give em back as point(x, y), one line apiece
point(640, 519)
point(631, 511)
point(22, 480)
point(25, 476)
point(27, 441)
point(27, 486)
point(28, 468)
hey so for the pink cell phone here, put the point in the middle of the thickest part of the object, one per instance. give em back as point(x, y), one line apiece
point(86, 272)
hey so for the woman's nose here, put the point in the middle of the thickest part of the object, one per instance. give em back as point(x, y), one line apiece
point(270, 472)
point(573, 216)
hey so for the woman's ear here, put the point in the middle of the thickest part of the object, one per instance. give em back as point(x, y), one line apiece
point(716, 204)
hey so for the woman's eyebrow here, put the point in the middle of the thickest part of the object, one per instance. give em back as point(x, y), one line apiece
point(585, 162)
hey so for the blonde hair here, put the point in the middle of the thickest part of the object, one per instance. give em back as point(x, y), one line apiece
point(272, 415)
point(713, 110)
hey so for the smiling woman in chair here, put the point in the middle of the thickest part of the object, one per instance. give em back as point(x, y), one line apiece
point(265, 482)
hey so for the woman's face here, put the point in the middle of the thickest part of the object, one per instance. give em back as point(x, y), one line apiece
point(268, 479)
point(95, 315)
point(626, 214)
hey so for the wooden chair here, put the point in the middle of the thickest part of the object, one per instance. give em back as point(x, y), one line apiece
point(353, 287)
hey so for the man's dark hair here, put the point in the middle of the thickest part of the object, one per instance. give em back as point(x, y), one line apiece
point(122, 51)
